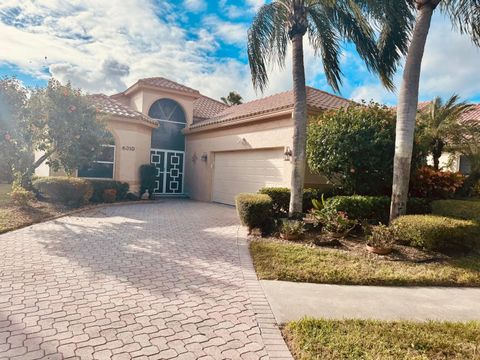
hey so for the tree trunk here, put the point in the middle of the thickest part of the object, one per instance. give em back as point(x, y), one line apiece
point(437, 152)
point(26, 179)
point(407, 111)
point(300, 127)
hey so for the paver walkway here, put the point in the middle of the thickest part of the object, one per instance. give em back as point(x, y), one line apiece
point(151, 281)
point(371, 302)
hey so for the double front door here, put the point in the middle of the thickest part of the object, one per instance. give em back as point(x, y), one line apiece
point(170, 166)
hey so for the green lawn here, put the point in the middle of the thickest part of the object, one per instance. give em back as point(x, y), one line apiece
point(360, 339)
point(295, 262)
point(4, 197)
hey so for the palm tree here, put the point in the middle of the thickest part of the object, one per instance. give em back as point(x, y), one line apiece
point(233, 98)
point(465, 17)
point(437, 121)
point(327, 25)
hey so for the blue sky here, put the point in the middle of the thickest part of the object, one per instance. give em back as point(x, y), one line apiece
point(105, 46)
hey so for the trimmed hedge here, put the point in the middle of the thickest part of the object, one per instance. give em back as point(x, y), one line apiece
point(254, 210)
point(374, 209)
point(281, 199)
point(66, 190)
point(99, 187)
point(461, 209)
point(439, 233)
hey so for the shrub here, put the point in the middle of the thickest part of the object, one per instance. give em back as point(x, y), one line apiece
point(254, 210)
point(66, 190)
point(374, 209)
point(148, 175)
point(291, 229)
point(99, 187)
point(21, 196)
point(440, 233)
point(354, 147)
point(109, 195)
point(435, 184)
point(382, 236)
point(462, 209)
point(281, 199)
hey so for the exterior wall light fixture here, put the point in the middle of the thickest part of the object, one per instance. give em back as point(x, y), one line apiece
point(204, 157)
point(288, 153)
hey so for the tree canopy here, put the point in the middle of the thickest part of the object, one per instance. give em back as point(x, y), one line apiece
point(58, 121)
point(233, 98)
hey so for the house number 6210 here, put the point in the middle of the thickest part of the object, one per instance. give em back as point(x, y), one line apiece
point(128, 148)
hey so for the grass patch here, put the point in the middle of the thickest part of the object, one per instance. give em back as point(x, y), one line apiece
point(14, 217)
point(366, 339)
point(295, 262)
point(4, 194)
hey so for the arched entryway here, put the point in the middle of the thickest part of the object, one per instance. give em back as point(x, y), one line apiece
point(168, 146)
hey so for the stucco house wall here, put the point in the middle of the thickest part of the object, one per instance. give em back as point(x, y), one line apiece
point(276, 132)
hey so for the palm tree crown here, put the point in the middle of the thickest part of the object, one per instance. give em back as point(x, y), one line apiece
point(379, 30)
point(437, 122)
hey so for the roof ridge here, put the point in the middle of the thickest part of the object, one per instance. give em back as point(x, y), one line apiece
point(218, 101)
point(327, 93)
point(168, 80)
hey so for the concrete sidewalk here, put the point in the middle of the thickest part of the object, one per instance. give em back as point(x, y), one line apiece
point(292, 301)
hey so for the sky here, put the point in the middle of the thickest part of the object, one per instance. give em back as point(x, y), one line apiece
point(105, 46)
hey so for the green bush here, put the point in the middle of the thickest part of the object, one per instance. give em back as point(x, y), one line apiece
point(148, 175)
point(66, 190)
point(254, 210)
point(99, 187)
point(440, 233)
point(281, 199)
point(461, 209)
point(21, 196)
point(374, 209)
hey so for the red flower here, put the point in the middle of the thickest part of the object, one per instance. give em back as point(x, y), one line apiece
point(7, 137)
point(72, 108)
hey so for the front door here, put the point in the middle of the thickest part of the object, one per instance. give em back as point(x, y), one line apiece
point(170, 166)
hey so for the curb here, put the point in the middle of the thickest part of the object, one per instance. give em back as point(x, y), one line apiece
point(275, 345)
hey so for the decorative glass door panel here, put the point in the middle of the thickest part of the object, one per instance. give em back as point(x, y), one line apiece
point(170, 170)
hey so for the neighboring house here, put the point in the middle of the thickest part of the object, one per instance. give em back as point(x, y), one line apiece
point(201, 147)
point(456, 162)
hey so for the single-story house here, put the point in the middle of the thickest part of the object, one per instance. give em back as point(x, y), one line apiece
point(201, 147)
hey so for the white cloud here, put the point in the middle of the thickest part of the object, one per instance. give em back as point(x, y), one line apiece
point(229, 32)
point(450, 65)
point(195, 5)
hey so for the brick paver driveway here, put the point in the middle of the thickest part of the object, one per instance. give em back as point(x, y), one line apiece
point(153, 281)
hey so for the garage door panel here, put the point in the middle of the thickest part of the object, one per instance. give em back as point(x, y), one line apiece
point(246, 171)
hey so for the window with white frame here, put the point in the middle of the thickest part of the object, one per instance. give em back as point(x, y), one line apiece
point(104, 165)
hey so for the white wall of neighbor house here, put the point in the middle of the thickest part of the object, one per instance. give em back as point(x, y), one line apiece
point(448, 162)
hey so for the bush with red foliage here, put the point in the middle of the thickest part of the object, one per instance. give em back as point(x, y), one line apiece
point(435, 184)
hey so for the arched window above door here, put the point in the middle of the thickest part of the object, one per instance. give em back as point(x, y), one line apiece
point(168, 110)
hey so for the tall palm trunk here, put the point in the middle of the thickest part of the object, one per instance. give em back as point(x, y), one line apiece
point(300, 126)
point(407, 110)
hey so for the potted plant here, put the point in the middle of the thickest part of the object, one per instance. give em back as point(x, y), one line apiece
point(381, 239)
point(291, 229)
point(337, 224)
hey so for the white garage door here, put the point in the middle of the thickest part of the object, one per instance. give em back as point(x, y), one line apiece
point(246, 171)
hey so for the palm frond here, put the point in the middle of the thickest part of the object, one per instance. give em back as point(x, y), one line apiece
point(267, 42)
point(465, 16)
point(325, 40)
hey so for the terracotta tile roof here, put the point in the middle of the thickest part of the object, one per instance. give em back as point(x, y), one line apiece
point(105, 104)
point(168, 84)
point(316, 100)
point(472, 114)
point(206, 108)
